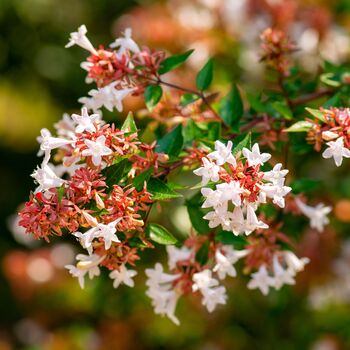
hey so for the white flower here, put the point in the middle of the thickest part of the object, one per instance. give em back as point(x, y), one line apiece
point(237, 221)
point(252, 222)
point(97, 149)
point(86, 238)
point(65, 127)
point(88, 264)
point(231, 192)
point(276, 175)
point(294, 263)
point(254, 156)
point(281, 276)
point(336, 150)
point(224, 261)
point(61, 169)
point(125, 43)
point(223, 154)
point(79, 38)
point(213, 199)
point(164, 298)
point(123, 276)
point(317, 215)
point(85, 122)
point(107, 96)
point(203, 280)
point(107, 232)
point(216, 219)
point(48, 143)
point(329, 135)
point(209, 171)
point(46, 178)
point(177, 254)
point(214, 296)
point(261, 280)
point(276, 192)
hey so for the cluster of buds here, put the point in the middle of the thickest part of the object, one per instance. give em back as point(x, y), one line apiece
point(118, 71)
point(73, 195)
point(276, 46)
point(331, 126)
point(240, 183)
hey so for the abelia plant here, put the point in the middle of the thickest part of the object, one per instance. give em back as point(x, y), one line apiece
point(98, 182)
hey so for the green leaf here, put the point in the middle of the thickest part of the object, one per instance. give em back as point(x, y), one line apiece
point(305, 185)
point(136, 242)
point(116, 172)
point(187, 99)
point(172, 142)
point(229, 238)
point(60, 193)
point(160, 190)
point(202, 254)
point(301, 126)
point(153, 94)
point(129, 124)
point(173, 62)
point(160, 234)
point(231, 109)
point(191, 132)
point(317, 114)
point(326, 78)
point(283, 109)
point(140, 179)
point(256, 104)
point(214, 131)
point(334, 101)
point(196, 216)
point(205, 76)
point(246, 142)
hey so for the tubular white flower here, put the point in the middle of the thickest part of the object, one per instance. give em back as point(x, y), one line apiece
point(213, 297)
point(85, 122)
point(223, 154)
point(88, 264)
point(177, 254)
point(97, 149)
point(46, 178)
point(203, 280)
point(276, 175)
point(107, 232)
point(261, 280)
point(254, 157)
point(123, 276)
point(209, 171)
point(317, 215)
point(336, 150)
point(281, 276)
point(294, 263)
point(79, 38)
point(125, 43)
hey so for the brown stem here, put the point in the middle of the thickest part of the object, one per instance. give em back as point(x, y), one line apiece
point(310, 97)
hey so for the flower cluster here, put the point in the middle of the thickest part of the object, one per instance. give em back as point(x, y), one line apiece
point(331, 126)
point(242, 184)
point(118, 71)
point(74, 195)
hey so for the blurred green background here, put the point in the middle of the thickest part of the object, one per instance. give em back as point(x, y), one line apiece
point(41, 306)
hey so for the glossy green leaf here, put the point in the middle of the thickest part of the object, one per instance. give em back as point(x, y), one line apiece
point(187, 99)
point(202, 254)
point(172, 142)
point(300, 126)
point(153, 94)
point(173, 62)
point(160, 234)
point(229, 238)
point(245, 143)
point(196, 214)
point(160, 190)
point(129, 124)
point(140, 179)
point(317, 114)
point(283, 109)
point(116, 172)
point(231, 109)
point(205, 76)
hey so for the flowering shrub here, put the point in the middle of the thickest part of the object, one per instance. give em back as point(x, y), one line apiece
point(99, 182)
